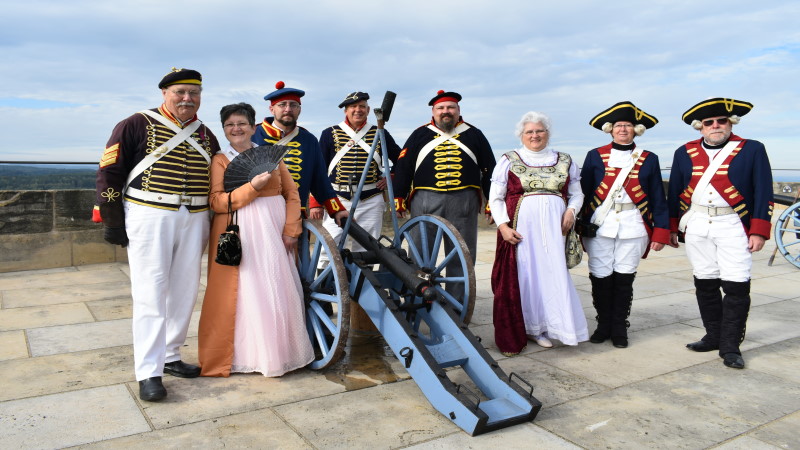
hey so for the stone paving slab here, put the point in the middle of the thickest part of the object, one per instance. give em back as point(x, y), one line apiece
point(696, 407)
point(779, 359)
point(781, 433)
point(68, 276)
point(651, 352)
point(198, 399)
point(44, 316)
point(746, 443)
point(350, 420)
point(552, 385)
point(29, 377)
point(13, 345)
point(89, 336)
point(524, 436)
point(51, 422)
point(24, 297)
point(257, 429)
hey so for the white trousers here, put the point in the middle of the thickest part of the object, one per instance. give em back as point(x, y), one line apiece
point(369, 216)
point(719, 250)
point(607, 255)
point(164, 255)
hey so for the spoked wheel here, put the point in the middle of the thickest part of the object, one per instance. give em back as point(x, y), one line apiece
point(326, 295)
point(432, 243)
point(787, 234)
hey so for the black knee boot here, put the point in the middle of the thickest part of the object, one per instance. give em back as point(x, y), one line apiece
point(623, 299)
point(735, 308)
point(709, 300)
point(602, 297)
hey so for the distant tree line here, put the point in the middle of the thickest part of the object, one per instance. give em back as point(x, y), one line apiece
point(17, 177)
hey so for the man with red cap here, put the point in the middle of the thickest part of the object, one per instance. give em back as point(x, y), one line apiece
point(152, 192)
point(720, 199)
point(444, 169)
point(304, 160)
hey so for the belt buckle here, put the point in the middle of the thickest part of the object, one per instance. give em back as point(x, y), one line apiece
point(185, 200)
point(617, 207)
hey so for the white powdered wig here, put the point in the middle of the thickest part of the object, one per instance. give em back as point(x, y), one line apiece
point(698, 124)
point(638, 128)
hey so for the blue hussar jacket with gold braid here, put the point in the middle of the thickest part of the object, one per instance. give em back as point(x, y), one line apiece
point(305, 164)
point(744, 180)
point(447, 168)
point(644, 186)
point(334, 138)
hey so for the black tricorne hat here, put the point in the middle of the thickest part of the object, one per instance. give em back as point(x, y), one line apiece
point(181, 76)
point(354, 97)
point(716, 107)
point(623, 112)
point(443, 96)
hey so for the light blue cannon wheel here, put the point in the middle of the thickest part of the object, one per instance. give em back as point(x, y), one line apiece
point(427, 250)
point(787, 234)
point(328, 331)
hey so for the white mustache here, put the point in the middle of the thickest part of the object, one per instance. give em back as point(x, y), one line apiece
point(186, 104)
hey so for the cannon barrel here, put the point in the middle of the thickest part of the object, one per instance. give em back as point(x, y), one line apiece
point(412, 277)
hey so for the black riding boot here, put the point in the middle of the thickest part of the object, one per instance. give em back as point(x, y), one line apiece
point(735, 308)
point(602, 297)
point(709, 300)
point(623, 299)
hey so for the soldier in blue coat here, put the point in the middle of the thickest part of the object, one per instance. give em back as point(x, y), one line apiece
point(624, 199)
point(304, 160)
point(720, 200)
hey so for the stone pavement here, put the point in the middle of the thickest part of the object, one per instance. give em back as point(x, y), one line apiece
point(67, 376)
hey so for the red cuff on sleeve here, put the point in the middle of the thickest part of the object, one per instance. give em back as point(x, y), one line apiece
point(313, 203)
point(96, 215)
point(660, 235)
point(760, 227)
point(673, 224)
point(332, 205)
point(400, 204)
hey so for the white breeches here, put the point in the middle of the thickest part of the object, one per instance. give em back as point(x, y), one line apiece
point(607, 255)
point(369, 216)
point(718, 251)
point(164, 255)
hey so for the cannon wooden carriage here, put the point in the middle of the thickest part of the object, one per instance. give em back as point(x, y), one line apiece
point(402, 285)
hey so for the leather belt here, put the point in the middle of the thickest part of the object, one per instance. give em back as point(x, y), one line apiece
point(169, 199)
point(352, 187)
point(624, 206)
point(713, 211)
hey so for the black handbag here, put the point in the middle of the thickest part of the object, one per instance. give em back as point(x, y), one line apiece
point(229, 246)
point(584, 227)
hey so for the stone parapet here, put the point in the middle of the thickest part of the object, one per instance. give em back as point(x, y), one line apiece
point(46, 229)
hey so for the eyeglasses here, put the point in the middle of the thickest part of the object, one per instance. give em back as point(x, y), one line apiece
point(720, 121)
point(287, 105)
point(530, 132)
point(183, 93)
point(623, 125)
point(230, 126)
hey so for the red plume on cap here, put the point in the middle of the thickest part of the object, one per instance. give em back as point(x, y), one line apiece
point(280, 85)
point(440, 92)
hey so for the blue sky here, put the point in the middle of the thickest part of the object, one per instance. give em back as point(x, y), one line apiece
point(72, 70)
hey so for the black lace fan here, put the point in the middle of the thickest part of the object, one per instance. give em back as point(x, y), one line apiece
point(252, 162)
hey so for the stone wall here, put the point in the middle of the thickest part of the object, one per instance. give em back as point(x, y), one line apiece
point(46, 229)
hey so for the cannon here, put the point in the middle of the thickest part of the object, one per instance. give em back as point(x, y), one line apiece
point(421, 311)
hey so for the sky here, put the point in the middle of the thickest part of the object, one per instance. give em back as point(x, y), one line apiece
point(72, 69)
